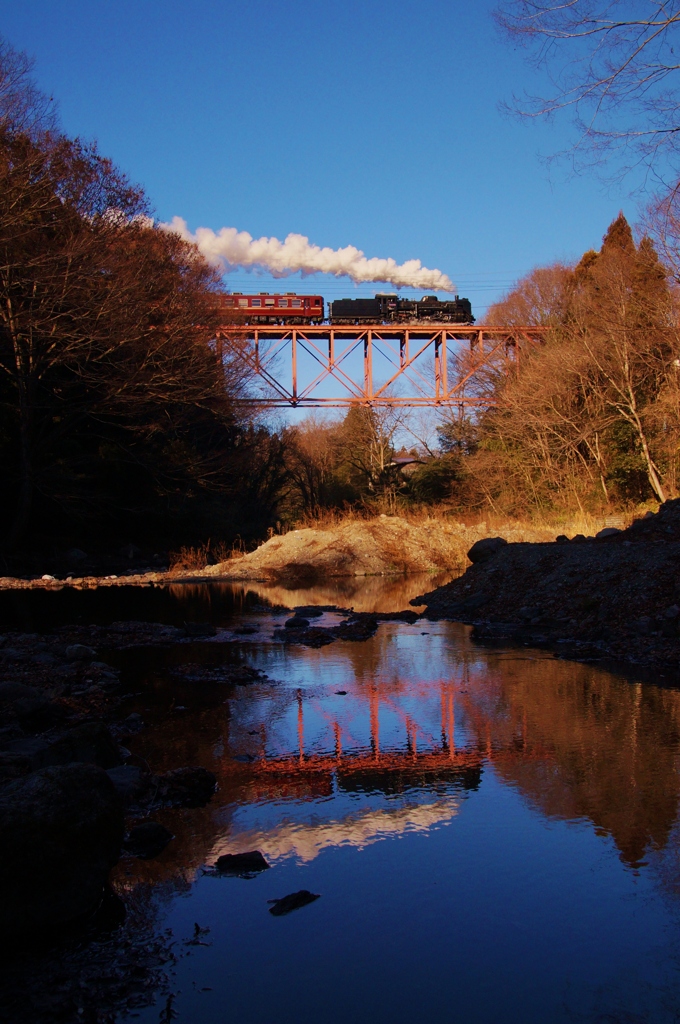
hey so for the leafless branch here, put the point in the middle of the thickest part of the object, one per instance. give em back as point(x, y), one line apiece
point(610, 64)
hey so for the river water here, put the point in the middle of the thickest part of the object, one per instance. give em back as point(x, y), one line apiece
point(493, 832)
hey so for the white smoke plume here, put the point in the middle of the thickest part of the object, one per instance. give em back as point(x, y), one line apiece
point(229, 248)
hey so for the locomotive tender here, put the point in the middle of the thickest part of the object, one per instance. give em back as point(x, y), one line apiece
point(291, 308)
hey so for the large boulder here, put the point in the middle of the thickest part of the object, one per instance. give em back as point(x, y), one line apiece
point(31, 708)
point(485, 549)
point(89, 743)
point(61, 830)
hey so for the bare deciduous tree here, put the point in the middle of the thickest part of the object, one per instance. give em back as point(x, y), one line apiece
point(612, 65)
point(365, 442)
point(539, 298)
point(311, 459)
point(23, 107)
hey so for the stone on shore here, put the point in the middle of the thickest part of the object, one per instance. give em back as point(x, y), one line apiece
point(485, 549)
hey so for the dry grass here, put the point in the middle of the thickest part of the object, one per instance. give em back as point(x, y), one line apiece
point(483, 524)
point(206, 554)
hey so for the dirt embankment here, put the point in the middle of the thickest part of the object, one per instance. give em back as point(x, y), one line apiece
point(616, 596)
point(361, 548)
point(375, 547)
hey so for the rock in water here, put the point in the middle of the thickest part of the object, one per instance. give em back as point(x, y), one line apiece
point(89, 742)
point(147, 840)
point(60, 833)
point(130, 782)
point(485, 549)
point(186, 787)
point(293, 901)
point(29, 706)
point(241, 863)
point(297, 622)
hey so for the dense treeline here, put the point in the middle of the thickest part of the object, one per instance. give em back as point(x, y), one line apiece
point(117, 413)
point(593, 417)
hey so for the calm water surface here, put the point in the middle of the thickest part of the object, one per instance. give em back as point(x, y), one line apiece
point(493, 833)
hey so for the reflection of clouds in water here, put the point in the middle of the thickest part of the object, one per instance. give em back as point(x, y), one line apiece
point(306, 841)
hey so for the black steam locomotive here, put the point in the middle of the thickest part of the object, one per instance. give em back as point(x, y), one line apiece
point(390, 308)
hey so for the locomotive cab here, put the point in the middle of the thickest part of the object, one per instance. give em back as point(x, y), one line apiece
point(388, 304)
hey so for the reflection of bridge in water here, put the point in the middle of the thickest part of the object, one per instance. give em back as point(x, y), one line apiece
point(421, 756)
point(439, 364)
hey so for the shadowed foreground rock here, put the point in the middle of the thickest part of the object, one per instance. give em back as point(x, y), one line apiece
point(614, 595)
point(60, 833)
point(485, 549)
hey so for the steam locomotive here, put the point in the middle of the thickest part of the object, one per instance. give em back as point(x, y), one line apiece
point(390, 308)
point(291, 308)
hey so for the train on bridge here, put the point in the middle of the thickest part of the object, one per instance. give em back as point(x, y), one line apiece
point(384, 308)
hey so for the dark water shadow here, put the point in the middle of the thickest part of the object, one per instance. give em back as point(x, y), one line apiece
point(173, 604)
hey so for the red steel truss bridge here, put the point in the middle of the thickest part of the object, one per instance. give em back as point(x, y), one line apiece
point(378, 365)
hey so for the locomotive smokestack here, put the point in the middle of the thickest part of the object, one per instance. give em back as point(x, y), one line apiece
point(229, 248)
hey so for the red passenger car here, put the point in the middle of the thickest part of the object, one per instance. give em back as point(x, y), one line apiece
point(273, 309)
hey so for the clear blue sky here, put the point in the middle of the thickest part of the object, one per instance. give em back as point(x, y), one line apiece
point(362, 123)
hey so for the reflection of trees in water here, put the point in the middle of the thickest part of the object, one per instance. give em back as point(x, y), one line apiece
point(579, 742)
point(363, 593)
point(399, 668)
point(202, 600)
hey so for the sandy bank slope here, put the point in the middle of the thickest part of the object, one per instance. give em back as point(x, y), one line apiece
point(357, 548)
point(387, 544)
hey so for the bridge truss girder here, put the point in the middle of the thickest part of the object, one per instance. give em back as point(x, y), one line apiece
point(450, 379)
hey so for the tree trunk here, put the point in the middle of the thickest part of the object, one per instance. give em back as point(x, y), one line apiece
point(25, 495)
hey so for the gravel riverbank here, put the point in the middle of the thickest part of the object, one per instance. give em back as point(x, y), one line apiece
point(615, 596)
